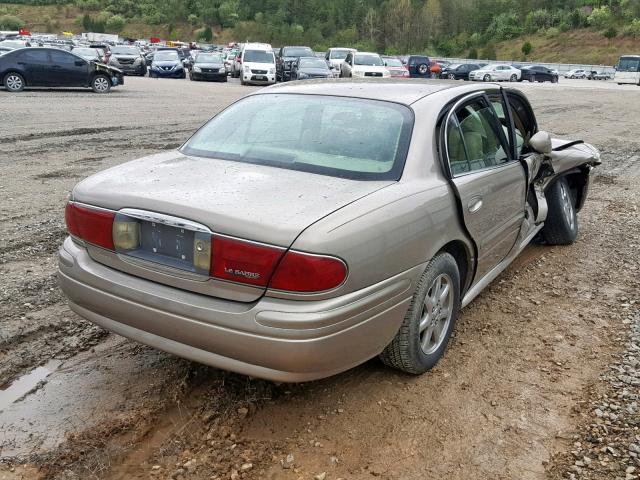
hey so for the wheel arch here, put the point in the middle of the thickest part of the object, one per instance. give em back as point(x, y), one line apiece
point(463, 256)
point(15, 70)
point(578, 181)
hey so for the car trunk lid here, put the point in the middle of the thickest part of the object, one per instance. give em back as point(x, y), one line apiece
point(253, 202)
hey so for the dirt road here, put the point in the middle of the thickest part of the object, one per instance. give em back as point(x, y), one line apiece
point(510, 400)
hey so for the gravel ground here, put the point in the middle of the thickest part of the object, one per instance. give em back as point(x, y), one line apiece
point(540, 380)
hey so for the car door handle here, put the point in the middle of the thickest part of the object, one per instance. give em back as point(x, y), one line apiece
point(474, 204)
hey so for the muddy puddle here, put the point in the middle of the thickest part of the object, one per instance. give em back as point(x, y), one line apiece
point(27, 383)
point(39, 410)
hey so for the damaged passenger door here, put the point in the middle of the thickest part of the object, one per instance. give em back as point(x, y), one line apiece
point(489, 181)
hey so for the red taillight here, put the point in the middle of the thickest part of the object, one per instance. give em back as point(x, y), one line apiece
point(244, 262)
point(91, 225)
point(302, 272)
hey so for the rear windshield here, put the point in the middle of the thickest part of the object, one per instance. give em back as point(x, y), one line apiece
point(167, 55)
point(629, 64)
point(312, 62)
point(125, 51)
point(258, 56)
point(393, 62)
point(371, 60)
point(337, 136)
point(297, 52)
point(208, 58)
point(339, 54)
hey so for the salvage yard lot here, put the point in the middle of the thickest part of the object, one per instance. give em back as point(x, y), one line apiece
point(509, 399)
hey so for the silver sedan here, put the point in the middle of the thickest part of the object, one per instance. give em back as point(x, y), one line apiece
point(308, 228)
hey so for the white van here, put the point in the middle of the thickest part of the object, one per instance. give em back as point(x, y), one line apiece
point(258, 64)
point(628, 70)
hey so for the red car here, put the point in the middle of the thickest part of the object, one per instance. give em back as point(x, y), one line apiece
point(396, 67)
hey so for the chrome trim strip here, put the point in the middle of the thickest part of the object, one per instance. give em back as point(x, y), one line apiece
point(169, 220)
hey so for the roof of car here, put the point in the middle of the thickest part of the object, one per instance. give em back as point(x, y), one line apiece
point(406, 92)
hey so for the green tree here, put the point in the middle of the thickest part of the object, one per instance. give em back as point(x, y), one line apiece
point(473, 53)
point(610, 33)
point(526, 48)
point(489, 52)
point(228, 13)
point(601, 17)
point(207, 34)
point(115, 24)
point(11, 22)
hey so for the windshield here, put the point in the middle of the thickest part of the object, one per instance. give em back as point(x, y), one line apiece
point(258, 56)
point(340, 54)
point(365, 59)
point(86, 52)
point(337, 136)
point(125, 51)
point(629, 64)
point(297, 52)
point(208, 58)
point(393, 62)
point(165, 56)
point(312, 63)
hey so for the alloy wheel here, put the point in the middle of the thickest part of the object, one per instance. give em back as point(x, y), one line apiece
point(14, 82)
point(101, 84)
point(437, 310)
point(567, 206)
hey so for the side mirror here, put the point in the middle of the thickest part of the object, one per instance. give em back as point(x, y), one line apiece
point(541, 143)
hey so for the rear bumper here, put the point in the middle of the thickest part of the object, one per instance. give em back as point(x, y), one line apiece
point(257, 79)
point(276, 339)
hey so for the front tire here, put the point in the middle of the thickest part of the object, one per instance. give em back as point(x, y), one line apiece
point(14, 82)
point(532, 78)
point(101, 84)
point(487, 78)
point(424, 334)
point(561, 226)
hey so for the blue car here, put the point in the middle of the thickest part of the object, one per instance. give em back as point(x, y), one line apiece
point(167, 63)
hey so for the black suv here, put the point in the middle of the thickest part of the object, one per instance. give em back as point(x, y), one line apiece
point(285, 58)
point(419, 66)
point(53, 67)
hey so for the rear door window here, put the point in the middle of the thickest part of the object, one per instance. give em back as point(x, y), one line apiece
point(475, 140)
point(35, 56)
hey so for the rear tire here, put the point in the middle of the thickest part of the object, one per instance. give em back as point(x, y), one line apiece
point(532, 78)
point(561, 226)
point(101, 84)
point(514, 78)
point(14, 82)
point(424, 334)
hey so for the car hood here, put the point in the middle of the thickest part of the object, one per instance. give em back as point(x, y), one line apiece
point(369, 68)
point(208, 65)
point(260, 203)
point(315, 71)
point(109, 68)
point(167, 63)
